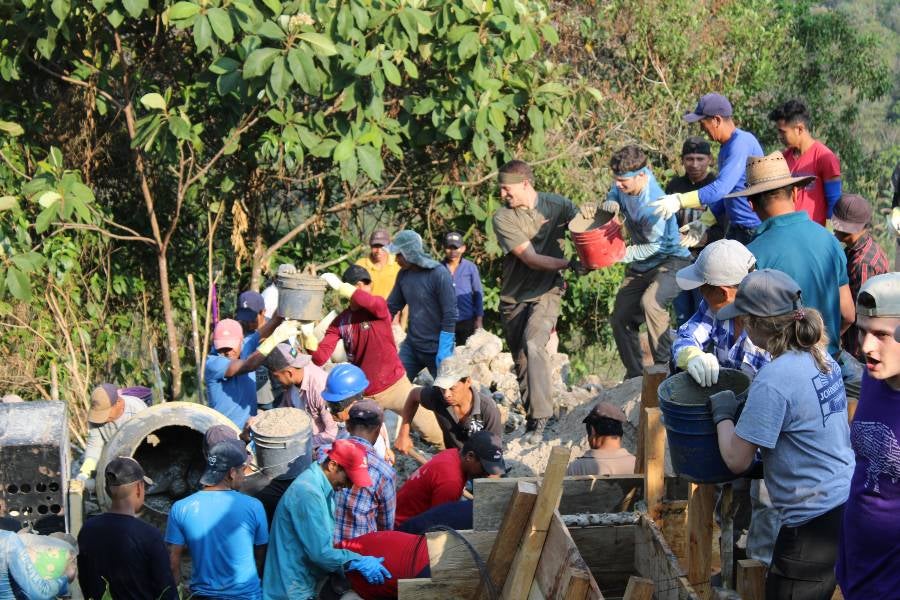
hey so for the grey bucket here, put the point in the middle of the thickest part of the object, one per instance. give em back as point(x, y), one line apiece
point(283, 456)
point(300, 296)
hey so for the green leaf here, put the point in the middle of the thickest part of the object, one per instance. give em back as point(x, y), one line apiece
point(115, 18)
point(10, 128)
point(27, 261)
point(320, 43)
point(135, 7)
point(469, 45)
point(370, 161)
point(271, 30)
point(183, 10)
point(391, 73)
point(349, 168)
point(458, 32)
point(8, 202)
point(424, 106)
point(82, 192)
point(226, 83)
point(411, 69)
point(550, 34)
point(274, 6)
point(179, 127)
point(410, 26)
point(44, 218)
point(80, 207)
point(598, 96)
point(343, 150)
point(221, 24)
point(60, 9)
point(366, 66)
point(153, 101)
point(55, 157)
point(454, 131)
point(202, 34)
point(224, 65)
point(17, 283)
point(554, 88)
point(280, 79)
point(259, 61)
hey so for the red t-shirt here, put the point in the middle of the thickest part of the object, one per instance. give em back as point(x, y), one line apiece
point(818, 160)
point(405, 556)
point(438, 481)
point(368, 340)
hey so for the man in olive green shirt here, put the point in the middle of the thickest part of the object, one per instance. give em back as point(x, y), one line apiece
point(530, 229)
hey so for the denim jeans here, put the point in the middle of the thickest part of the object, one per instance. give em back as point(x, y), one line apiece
point(414, 361)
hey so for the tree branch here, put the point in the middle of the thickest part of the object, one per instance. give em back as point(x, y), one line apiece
point(85, 227)
point(77, 82)
point(13, 167)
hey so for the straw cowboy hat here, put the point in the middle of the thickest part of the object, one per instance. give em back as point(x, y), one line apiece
point(765, 173)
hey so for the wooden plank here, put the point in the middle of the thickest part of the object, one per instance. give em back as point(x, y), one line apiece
point(562, 567)
point(581, 494)
point(450, 558)
point(654, 460)
point(653, 559)
point(726, 543)
point(700, 531)
point(608, 553)
point(509, 536)
point(639, 588)
point(674, 528)
point(428, 589)
point(751, 579)
point(521, 572)
point(653, 376)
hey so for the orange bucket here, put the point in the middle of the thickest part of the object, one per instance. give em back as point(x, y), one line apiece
point(599, 243)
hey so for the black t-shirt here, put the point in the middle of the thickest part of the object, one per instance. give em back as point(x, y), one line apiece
point(128, 553)
point(681, 184)
point(484, 415)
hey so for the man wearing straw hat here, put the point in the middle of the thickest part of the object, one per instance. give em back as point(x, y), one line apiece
point(788, 240)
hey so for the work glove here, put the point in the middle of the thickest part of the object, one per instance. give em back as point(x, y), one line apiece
point(446, 346)
point(668, 205)
point(693, 233)
point(286, 269)
point(610, 206)
point(895, 220)
point(308, 337)
point(371, 568)
point(724, 406)
point(334, 282)
point(588, 210)
point(704, 368)
point(282, 333)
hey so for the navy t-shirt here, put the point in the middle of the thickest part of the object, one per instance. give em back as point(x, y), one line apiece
point(129, 554)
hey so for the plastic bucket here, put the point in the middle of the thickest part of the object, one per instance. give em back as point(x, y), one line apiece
point(282, 438)
point(693, 444)
point(599, 242)
point(300, 296)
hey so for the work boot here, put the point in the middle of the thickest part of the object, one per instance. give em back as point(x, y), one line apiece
point(534, 431)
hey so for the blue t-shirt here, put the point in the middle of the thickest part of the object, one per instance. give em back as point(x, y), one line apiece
point(797, 415)
point(234, 397)
point(732, 177)
point(220, 528)
point(469, 293)
point(794, 244)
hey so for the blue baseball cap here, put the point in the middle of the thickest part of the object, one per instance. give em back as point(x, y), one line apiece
point(250, 304)
point(710, 105)
point(222, 457)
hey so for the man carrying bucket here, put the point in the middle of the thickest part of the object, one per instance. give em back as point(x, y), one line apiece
point(653, 256)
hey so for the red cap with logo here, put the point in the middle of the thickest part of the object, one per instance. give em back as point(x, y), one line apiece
point(352, 457)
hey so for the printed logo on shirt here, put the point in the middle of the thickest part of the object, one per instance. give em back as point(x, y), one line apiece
point(830, 390)
point(875, 442)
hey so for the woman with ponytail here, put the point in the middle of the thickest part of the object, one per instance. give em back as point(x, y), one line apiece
point(796, 416)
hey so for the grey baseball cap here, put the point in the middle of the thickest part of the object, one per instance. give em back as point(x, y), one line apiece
point(724, 262)
point(765, 293)
point(879, 296)
point(452, 369)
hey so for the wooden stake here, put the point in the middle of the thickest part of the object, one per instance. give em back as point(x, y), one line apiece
point(521, 573)
point(653, 376)
point(700, 531)
point(654, 460)
point(195, 334)
point(726, 549)
point(639, 588)
point(751, 579)
point(54, 382)
point(509, 536)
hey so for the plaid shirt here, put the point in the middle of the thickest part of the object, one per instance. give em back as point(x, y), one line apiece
point(709, 334)
point(865, 259)
point(359, 511)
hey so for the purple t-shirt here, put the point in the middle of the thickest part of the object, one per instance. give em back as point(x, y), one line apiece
point(868, 564)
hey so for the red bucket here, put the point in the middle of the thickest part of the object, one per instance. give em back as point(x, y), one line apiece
point(599, 243)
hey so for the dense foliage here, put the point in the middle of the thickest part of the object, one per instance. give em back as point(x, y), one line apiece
point(146, 141)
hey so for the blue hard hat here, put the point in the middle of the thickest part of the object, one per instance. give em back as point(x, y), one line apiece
point(344, 381)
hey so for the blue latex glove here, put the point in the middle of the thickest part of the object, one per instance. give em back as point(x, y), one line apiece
point(371, 568)
point(446, 346)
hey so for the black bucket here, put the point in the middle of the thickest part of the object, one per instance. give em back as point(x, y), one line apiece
point(300, 296)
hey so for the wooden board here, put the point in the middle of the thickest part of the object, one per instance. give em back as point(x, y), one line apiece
point(699, 541)
point(654, 445)
point(653, 376)
point(428, 589)
point(653, 559)
point(608, 553)
point(582, 494)
point(449, 556)
point(751, 579)
point(639, 588)
point(561, 571)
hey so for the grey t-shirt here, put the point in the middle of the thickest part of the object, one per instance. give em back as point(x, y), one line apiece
point(545, 227)
point(797, 415)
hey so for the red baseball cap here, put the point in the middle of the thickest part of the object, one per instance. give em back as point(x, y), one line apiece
point(227, 334)
point(352, 457)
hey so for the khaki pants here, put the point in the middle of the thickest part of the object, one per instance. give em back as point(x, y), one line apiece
point(394, 398)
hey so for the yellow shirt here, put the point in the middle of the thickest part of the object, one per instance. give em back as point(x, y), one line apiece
point(383, 277)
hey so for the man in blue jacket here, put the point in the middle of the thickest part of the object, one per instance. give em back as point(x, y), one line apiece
point(714, 114)
point(653, 256)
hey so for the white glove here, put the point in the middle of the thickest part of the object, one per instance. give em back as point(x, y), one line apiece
point(895, 220)
point(588, 210)
point(308, 336)
point(667, 206)
point(610, 206)
point(704, 369)
point(693, 233)
point(333, 281)
point(282, 333)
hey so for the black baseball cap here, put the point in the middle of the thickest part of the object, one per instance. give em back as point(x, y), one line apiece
point(216, 434)
point(224, 456)
point(124, 470)
point(488, 448)
point(605, 410)
point(366, 412)
point(454, 239)
point(696, 145)
point(852, 214)
point(356, 273)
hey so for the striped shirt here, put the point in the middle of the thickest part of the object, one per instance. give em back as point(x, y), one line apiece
point(705, 331)
point(359, 511)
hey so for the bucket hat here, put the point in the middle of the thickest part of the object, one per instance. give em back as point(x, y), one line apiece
point(409, 244)
point(766, 173)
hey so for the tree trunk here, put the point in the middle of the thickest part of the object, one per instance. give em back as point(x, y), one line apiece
point(169, 317)
point(259, 258)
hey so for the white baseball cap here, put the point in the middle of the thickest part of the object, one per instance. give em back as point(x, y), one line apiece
point(724, 262)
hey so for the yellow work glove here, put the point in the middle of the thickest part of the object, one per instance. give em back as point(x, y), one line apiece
point(86, 469)
point(334, 282)
point(308, 336)
point(668, 205)
point(282, 333)
point(895, 220)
